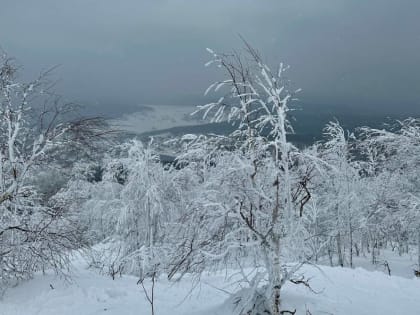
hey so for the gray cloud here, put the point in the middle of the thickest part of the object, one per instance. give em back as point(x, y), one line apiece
point(122, 53)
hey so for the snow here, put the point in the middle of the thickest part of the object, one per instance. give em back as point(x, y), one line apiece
point(402, 266)
point(158, 117)
point(340, 291)
point(355, 291)
point(91, 293)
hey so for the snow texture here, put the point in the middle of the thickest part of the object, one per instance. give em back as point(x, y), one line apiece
point(341, 291)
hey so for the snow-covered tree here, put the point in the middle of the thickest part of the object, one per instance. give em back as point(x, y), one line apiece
point(341, 192)
point(34, 234)
point(394, 161)
point(131, 209)
point(253, 185)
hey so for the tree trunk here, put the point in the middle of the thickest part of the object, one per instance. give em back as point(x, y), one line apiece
point(339, 251)
point(330, 253)
point(374, 247)
point(418, 247)
point(351, 245)
point(277, 277)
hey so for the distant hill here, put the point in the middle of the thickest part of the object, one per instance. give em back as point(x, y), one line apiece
point(308, 121)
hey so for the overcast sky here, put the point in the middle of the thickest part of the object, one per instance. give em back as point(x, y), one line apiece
point(129, 52)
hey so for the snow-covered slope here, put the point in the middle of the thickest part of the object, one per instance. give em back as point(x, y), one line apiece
point(157, 117)
point(341, 291)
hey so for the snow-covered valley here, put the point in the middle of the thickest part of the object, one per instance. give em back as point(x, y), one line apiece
point(160, 213)
point(156, 118)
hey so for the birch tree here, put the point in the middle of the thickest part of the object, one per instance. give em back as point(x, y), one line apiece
point(254, 191)
point(34, 129)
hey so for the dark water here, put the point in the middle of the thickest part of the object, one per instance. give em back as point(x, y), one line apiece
point(308, 125)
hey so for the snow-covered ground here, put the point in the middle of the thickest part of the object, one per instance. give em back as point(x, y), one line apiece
point(158, 117)
point(340, 291)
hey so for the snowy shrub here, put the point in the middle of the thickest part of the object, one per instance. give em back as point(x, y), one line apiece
point(247, 207)
point(35, 234)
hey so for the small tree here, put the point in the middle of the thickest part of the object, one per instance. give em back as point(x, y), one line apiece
point(253, 187)
point(341, 189)
point(396, 164)
point(35, 234)
point(132, 209)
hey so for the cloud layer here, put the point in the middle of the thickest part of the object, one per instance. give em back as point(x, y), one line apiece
point(121, 53)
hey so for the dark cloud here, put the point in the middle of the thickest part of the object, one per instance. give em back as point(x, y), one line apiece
point(120, 53)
